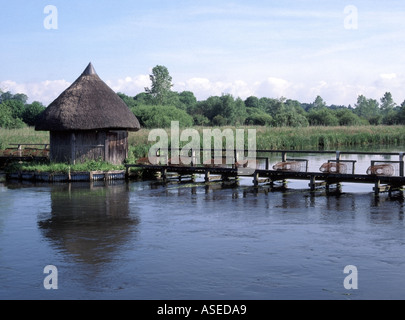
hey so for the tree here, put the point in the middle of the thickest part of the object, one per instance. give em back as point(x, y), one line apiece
point(318, 104)
point(252, 102)
point(272, 106)
point(348, 118)
point(130, 102)
point(31, 112)
point(259, 119)
point(294, 105)
point(368, 109)
point(7, 120)
point(387, 103)
point(16, 106)
point(322, 117)
point(188, 99)
point(161, 116)
point(161, 85)
point(290, 119)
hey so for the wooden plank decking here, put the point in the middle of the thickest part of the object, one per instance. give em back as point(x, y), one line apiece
point(382, 183)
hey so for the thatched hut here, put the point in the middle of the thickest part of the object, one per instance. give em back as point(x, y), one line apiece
point(88, 121)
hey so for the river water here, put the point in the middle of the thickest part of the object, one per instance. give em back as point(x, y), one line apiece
point(145, 240)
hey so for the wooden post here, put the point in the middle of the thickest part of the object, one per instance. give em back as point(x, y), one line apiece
point(19, 148)
point(338, 157)
point(401, 164)
point(256, 179)
point(207, 176)
point(284, 157)
point(312, 183)
point(126, 172)
point(164, 174)
point(73, 148)
point(377, 188)
point(106, 146)
point(193, 157)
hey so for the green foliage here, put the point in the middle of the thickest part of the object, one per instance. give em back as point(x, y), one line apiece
point(200, 120)
point(16, 107)
point(161, 85)
point(322, 117)
point(387, 103)
point(161, 116)
point(259, 119)
point(290, 119)
point(7, 120)
point(219, 120)
point(91, 165)
point(348, 118)
point(31, 112)
point(252, 102)
point(318, 104)
point(158, 106)
point(368, 109)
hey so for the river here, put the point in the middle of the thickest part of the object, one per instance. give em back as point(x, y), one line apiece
point(145, 240)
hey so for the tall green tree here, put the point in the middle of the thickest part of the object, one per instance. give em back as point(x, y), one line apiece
point(31, 112)
point(368, 109)
point(252, 102)
point(387, 102)
point(160, 91)
point(318, 104)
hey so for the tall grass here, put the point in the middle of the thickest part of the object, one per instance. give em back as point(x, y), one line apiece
point(322, 138)
point(306, 138)
point(23, 135)
point(284, 138)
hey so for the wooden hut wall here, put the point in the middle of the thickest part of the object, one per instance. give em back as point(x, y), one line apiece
point(89, 145)
point(80, 146)
point(116, 146)
point(60, 146)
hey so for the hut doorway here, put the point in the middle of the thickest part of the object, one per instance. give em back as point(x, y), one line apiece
point(116, 146)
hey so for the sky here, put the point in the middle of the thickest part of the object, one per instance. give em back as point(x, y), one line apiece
point(293, 49)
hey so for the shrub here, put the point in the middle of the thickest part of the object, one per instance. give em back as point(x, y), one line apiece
point(161, 116)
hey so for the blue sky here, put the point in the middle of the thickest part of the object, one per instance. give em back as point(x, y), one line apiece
point(295, 49)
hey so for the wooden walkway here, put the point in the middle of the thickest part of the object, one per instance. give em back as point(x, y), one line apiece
point(24, 152)
point(383, 181)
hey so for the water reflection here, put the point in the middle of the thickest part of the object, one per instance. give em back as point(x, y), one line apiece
point(89, 221)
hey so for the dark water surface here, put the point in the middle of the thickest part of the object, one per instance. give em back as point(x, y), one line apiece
point(142, 240)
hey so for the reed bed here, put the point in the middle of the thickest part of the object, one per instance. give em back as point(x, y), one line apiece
point(23, 135)
point(306, 138)
point(284, 138)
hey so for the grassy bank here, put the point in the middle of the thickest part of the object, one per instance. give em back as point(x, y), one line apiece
point(322, 138)
point(24, 135)
point(307, 138)
point(62, 167)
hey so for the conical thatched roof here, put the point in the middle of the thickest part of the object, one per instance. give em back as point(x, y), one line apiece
point(88, 104)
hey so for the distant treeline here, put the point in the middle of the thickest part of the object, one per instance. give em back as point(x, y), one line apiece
point(16, 113)
point(158, 106)
point(227, 110)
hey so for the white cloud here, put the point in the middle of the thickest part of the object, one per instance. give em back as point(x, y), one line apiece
point(45, 91)
point(130, 85)
point(204, 88)
point(388, 76)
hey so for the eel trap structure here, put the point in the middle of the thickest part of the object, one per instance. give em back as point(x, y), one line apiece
point(385, 175)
